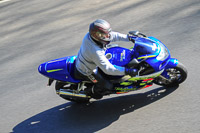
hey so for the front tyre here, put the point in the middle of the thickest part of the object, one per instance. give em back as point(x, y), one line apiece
point(176, 76)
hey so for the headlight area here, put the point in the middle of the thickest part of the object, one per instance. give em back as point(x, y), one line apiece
point(164, 53)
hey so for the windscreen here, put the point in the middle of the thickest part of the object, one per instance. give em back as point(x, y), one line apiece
point(144, 46)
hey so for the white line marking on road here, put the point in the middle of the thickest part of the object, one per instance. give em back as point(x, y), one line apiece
point(2, 1)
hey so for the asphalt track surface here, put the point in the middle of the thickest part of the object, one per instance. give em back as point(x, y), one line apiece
point(33, 32)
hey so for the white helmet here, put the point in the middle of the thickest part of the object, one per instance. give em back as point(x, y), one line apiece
point(100, 31)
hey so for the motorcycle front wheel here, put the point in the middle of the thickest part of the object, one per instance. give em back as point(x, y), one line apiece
point(176, 76)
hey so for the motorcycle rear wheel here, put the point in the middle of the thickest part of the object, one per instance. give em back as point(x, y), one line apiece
point(176, 75)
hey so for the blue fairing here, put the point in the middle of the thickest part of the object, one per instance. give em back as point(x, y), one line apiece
point(60, 69)
point(146, 49)
point(172, 63)
point(119, 56)
point(149, 49)
point(145, 46)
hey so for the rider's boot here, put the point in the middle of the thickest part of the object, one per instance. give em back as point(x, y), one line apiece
point(94, 91)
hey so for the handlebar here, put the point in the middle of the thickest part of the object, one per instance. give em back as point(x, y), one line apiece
point(137, 33)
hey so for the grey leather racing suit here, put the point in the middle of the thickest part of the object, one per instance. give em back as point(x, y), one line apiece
point(91, 56)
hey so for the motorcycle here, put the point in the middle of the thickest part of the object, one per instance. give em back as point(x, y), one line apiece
point(149, 55)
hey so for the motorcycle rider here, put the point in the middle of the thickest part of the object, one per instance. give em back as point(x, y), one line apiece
point(92, 55)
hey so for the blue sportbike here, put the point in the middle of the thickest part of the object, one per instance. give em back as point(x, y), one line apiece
point(149, 55)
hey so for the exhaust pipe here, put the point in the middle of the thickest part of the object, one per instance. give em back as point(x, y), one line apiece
point(70, 95)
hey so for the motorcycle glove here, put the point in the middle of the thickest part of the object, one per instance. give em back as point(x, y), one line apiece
point(130, 71)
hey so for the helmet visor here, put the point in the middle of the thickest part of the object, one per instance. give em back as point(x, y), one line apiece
point(104, 36)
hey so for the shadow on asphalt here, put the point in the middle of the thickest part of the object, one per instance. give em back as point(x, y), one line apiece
point(72, 117)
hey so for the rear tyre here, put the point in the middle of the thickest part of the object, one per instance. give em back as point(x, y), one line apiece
point(176, 75)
